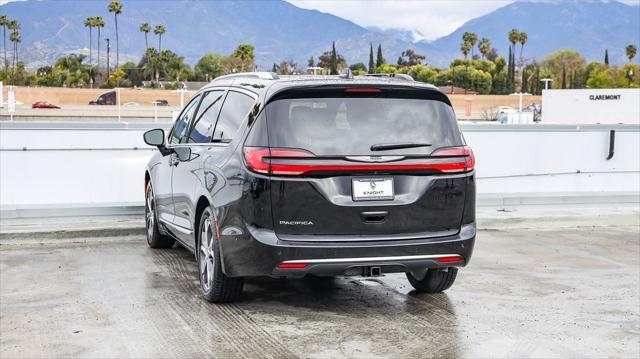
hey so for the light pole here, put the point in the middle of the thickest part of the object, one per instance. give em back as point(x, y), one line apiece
point(520, 95)
point(108, 49)
point(546, 82)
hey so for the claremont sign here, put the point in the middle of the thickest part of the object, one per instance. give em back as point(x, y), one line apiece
point(591, 106)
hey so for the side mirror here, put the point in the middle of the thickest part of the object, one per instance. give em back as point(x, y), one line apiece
point(154, 137)
point(183, 153)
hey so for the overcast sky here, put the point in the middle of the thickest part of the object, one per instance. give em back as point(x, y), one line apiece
point(431, 18)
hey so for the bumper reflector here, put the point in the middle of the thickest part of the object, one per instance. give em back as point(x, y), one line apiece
point(285, 265)
point(450, 259)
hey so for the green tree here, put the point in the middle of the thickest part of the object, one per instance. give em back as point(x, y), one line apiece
point(311, 62)
point(631, 52)
point(372, 63)
point(159, 30)
point(410, 58)
point(358, 69)
point(558, 64)
point(245, 53)
point(379, 58)
point(4, 21)
point(208, 67)
point(145, 28)
point(115, 7)
point(387, 69)
point(484, 46)
point(334, 60)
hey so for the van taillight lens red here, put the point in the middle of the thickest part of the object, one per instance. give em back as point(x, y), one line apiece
point(296, 162)
point(469, 162)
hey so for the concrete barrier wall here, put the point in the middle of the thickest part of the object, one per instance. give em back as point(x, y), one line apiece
point(49, 169)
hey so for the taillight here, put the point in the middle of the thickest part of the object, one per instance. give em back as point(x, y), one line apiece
point(465, 165)
point(259, 160)
point(296, 162)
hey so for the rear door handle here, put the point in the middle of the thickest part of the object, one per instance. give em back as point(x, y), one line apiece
point(374, 217)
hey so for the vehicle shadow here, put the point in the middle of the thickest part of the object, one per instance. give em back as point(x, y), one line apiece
point(377, 309)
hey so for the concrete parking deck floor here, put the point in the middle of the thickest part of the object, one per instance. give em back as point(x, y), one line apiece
point(536, 292)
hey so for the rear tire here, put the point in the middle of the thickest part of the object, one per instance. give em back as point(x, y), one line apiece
point(216, 287)
point(155, 239)
point(435, 281)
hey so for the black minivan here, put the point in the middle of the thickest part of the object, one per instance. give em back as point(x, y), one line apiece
point(288, 176)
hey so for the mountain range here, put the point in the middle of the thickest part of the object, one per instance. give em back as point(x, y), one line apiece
point(281, 31)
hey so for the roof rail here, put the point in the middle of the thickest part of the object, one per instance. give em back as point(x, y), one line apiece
point(404, 77)
point(255, 75)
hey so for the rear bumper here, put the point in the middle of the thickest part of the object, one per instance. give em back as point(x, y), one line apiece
point(258, 253)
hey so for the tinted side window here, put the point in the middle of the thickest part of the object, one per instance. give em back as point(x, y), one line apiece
point(235, 109)
point(180, 129)
point(205, 121)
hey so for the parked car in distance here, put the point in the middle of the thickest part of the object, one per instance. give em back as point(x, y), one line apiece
point(43, 104)
point(290, 176)
point(107, 98)
point(506, 109)
point(161, 103)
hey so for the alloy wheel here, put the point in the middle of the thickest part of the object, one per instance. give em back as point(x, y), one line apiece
point(206, 255)
point(150, 213)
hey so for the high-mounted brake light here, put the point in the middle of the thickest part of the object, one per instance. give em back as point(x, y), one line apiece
point(362, 90)
point(296, 162)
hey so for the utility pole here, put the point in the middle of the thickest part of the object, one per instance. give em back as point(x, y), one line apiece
point(108, 49)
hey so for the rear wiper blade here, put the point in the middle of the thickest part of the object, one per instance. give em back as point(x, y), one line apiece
point(397, 146)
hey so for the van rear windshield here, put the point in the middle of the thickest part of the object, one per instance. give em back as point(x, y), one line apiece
point(343, 126)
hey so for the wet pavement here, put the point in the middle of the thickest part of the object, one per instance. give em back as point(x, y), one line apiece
point(564, 292)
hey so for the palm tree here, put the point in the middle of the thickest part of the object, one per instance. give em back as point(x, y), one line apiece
point(245, 53)
point(4, 21)
point(145, 28)
point(473, 38)
point(116, 8)
point(514, 37)
point(522, 38)
point(159, 30)
point(484, 46)
point(631, 52)
point(88, 22)
point(14, 26)
point(465, 47)
point(16, 39)
point(98, 22)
